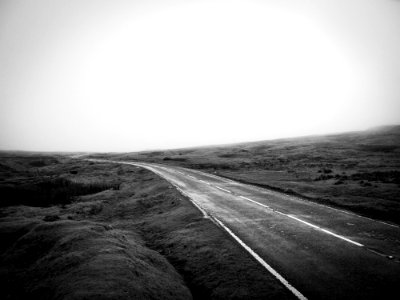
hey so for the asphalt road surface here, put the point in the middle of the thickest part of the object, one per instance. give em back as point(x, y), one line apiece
point(316, 251)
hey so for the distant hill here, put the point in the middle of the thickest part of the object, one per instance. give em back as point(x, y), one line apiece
point(393, 129)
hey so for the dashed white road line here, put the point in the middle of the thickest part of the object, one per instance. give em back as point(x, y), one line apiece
point(260, 189)
point(289, 216)
point(204, 182)
point(248, 199)
point(224, 179)
point(306, 223)
point(326, 231)
point(222, 189)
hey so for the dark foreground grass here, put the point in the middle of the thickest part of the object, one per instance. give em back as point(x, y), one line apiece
point(143, 240)
point(358, 171)
point(68, 259)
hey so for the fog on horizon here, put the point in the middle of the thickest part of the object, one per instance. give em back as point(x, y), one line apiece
point(85, 75)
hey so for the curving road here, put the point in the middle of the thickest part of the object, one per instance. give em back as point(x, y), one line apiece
point(316, 251)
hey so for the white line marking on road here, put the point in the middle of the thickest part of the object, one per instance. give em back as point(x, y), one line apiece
point(248, 199)
point(220, 188)
point(341, 210)
point(258, 188)
point(304, 222)
point(213, 176)
point(293, 197)
point(204, 182)
point(262, 262)
point(258, 203)
point(327, 231)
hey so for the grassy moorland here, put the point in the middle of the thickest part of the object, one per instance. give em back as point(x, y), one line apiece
point(357, 171)
point(73, 229)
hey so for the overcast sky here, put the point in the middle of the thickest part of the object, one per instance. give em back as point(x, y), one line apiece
point(119, 75)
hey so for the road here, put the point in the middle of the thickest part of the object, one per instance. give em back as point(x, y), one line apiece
point(316, 251)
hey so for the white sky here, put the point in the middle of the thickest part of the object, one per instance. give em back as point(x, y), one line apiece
point(119, 75)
